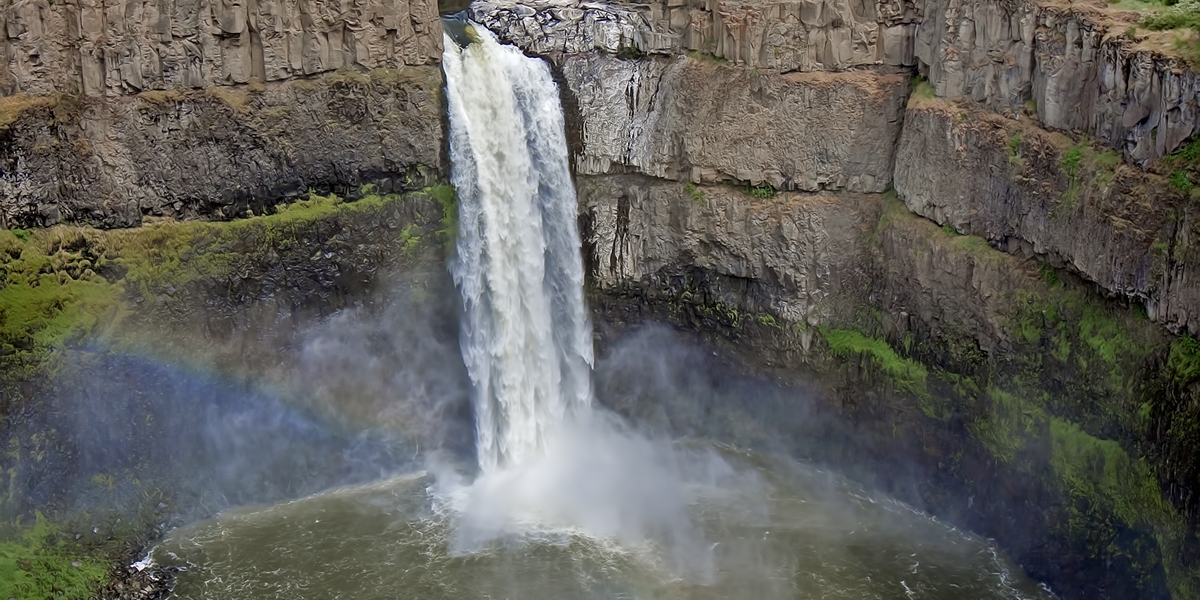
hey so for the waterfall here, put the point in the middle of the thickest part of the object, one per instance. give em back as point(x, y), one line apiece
point(526, 337)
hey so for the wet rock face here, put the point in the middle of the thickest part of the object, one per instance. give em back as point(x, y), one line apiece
point(1003, 54)
point(123, 47)
point(218, 153)
point(776, 36)
point(665, 118)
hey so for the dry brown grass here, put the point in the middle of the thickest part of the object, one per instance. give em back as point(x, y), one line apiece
point(235, 99)
point(11, 107)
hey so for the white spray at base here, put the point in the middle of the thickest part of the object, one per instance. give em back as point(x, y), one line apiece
point(551, 466)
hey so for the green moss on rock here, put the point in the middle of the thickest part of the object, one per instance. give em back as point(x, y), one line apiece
point(61, 285)
point(36, 563)
point(907, 376)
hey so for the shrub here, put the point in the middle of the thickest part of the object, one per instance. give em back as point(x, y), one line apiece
point(762, 192)
point(1182, 15)
point(1071, 159)
point(1180, 181)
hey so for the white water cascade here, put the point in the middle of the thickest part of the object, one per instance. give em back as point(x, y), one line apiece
point(527, 340)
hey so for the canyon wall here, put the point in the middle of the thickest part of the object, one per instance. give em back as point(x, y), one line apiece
point(989, 272)
point(1064, 247)
point(125, 47)
point(220, 152)
point(665, 118)
point(655, 115)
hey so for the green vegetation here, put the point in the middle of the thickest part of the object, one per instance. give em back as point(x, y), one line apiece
point(1181, 15)
point(1180, 181)
point(1104, 166)
point(908, 376)
point(37, 564)
point(1104, 335)
point(50, 294)
point(447, 197)
point(694, 191)
point(767, 321)
point(1183, 361)
point(1186, 168)
point(409, 240)
point(1080, 158)
point(629, 52)
point(1006, 425)
point(763, 191)
point(1070, 160)
point(949, 230)
point(1100, 477)
point(1189, 153)
point(1014, 149)
point(1049, 275)
point(922, 89)
point(60, 285)
point(1108, 159)
point(707, 57)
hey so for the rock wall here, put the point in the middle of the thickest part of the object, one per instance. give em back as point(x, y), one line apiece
point(115, 47)
point(962, 351)
point(220, 152)
point(665, 118)
point(1072, 64)
point(1038, 194)
point(774, 36)
point(970, 372)
point(1081, 74)
point(802, 250)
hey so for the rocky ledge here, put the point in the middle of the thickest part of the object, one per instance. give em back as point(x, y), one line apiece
point(125, 47)
point(1071, 65)
point(216, 153)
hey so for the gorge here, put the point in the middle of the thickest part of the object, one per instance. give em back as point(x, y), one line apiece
point(943, 249)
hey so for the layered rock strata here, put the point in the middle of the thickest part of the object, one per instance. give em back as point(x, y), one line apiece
point(947, 355)
point(1035, 193)
point(1071, 64)
point(775, 36)
point(124, 47)
point(665, 118)
point(219, 152)
point(799, 251)
point(1081, 74)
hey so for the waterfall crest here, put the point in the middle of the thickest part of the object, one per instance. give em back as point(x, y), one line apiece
point(526, 336)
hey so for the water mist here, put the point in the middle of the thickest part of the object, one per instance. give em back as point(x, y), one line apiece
point(550, 464)
point(567, 500)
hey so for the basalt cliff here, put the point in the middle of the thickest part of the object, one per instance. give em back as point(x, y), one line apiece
point(969, 227)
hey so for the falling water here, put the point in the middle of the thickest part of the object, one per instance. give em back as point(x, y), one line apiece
point(526, 337)
point(598, 509)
